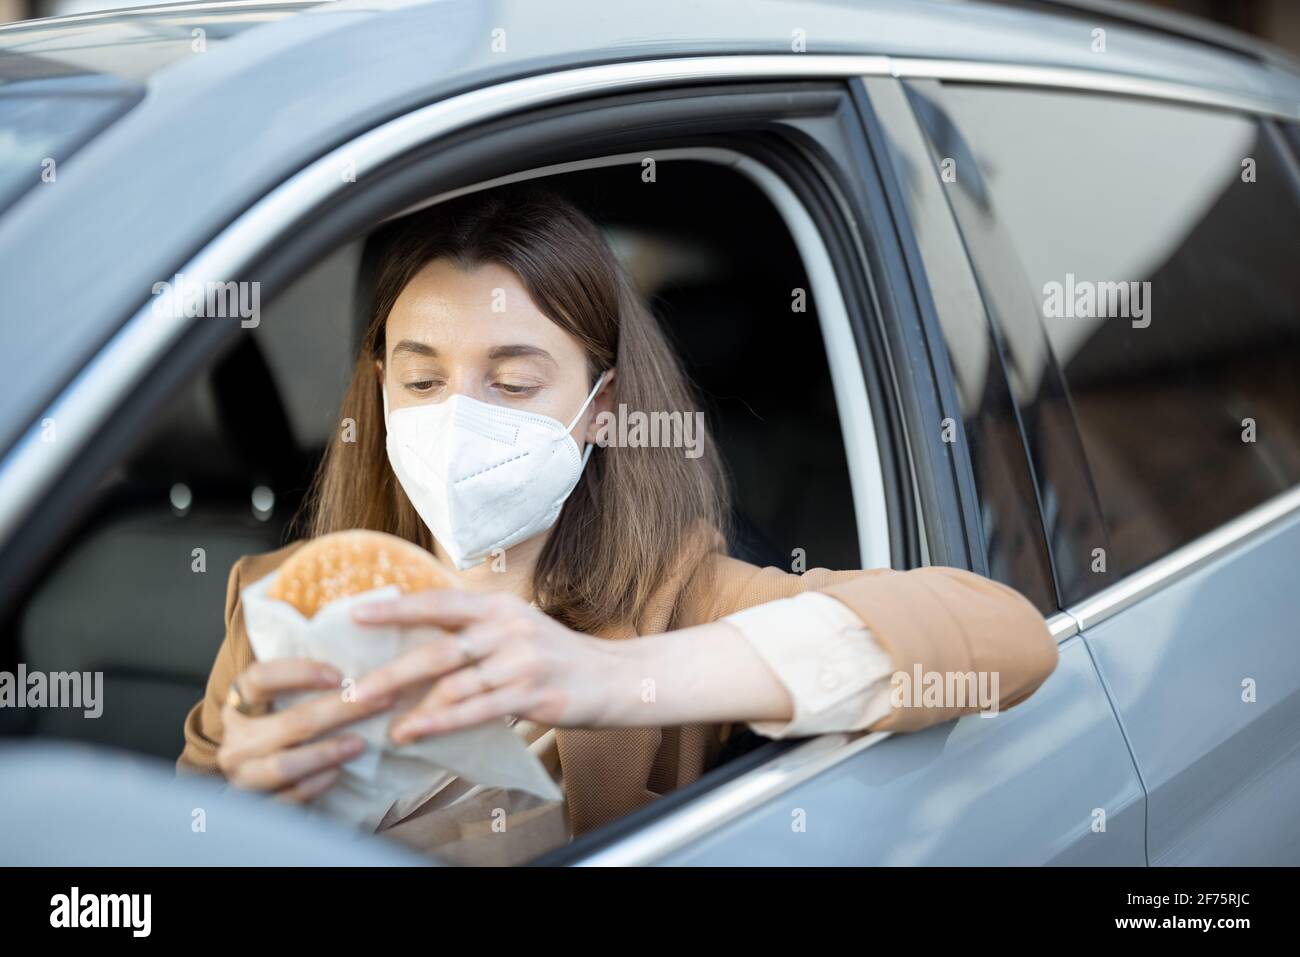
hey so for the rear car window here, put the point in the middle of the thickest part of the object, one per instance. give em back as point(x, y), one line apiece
point(1159, 242)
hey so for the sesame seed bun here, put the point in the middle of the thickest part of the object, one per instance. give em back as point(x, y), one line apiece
point(349, 563)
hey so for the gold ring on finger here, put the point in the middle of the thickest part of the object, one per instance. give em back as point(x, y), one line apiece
point(236, 700)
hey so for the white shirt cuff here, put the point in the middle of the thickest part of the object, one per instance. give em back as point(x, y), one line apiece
point(836, 674)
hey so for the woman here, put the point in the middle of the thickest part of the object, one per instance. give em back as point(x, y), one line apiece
point(601, 612)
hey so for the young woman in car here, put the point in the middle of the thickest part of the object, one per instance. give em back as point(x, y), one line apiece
point(601, 609)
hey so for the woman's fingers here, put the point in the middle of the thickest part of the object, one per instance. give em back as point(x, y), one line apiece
point(273, 772)
point(252, 737)
point(261, 681)
point(309, 788)
point(417, 723)
point(444, 608)
point(311, 719)
point(429, 661)
point(506, 666)
point(510, 679)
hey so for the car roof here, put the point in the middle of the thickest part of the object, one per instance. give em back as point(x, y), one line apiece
point(1161, 44)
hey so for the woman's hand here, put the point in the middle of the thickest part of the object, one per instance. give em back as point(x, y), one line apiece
point(504, 657)
point(266, 752)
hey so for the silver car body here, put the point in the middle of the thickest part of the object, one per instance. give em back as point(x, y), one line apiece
point(1129, 754)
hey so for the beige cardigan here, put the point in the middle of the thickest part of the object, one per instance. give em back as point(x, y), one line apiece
point(942, 619)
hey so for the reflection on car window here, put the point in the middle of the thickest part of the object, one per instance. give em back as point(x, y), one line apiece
point(1160, 244)
point(42, 122)
point(132, 45)
point(64, 81)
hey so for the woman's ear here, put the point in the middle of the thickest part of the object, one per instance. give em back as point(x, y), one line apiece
point(603, 402)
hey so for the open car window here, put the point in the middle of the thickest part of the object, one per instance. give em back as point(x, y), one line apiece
point(223, 469)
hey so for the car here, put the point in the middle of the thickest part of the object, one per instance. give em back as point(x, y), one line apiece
point(971, 285)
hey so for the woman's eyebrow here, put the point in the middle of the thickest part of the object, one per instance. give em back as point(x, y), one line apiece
point(414, 348)
point(518, 351)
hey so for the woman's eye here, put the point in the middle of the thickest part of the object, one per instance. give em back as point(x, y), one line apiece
point(510, 388)
point(421, 387)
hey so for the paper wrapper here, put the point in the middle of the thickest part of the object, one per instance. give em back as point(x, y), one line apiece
point(386, 776)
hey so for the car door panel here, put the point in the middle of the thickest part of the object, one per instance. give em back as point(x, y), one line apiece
point(1222, 771)
point(1023, 787)
point(1048, 782)
point(1165, 411)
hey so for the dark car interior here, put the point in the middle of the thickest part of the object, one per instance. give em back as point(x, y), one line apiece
point(138, 589)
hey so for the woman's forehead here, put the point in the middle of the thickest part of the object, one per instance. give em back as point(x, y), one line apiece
point(446, 309)
point(443, 290)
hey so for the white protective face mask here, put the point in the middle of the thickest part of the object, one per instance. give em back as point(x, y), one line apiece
point(483, 477)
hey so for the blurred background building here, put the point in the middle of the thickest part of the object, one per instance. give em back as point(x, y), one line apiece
point(1277, 21)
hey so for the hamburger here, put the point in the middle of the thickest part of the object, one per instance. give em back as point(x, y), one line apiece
point(340, 564)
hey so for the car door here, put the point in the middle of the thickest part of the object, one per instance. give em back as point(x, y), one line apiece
point(1187, 412)
point(1050, 781)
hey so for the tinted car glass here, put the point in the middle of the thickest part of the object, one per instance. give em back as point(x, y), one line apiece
point(1009, 518)
point(1159, 245)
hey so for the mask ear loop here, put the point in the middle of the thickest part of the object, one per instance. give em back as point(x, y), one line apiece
point(587, 446)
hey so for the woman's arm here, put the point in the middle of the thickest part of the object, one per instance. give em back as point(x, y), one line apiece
point(933, 623)
point(792, 667)
point(522, 663)
point(203, 729)
point(509, 658)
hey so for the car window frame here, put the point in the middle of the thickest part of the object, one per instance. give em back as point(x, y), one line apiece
point(961, 323)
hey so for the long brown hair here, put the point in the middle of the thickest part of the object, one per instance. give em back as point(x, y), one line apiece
point(639, 516)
